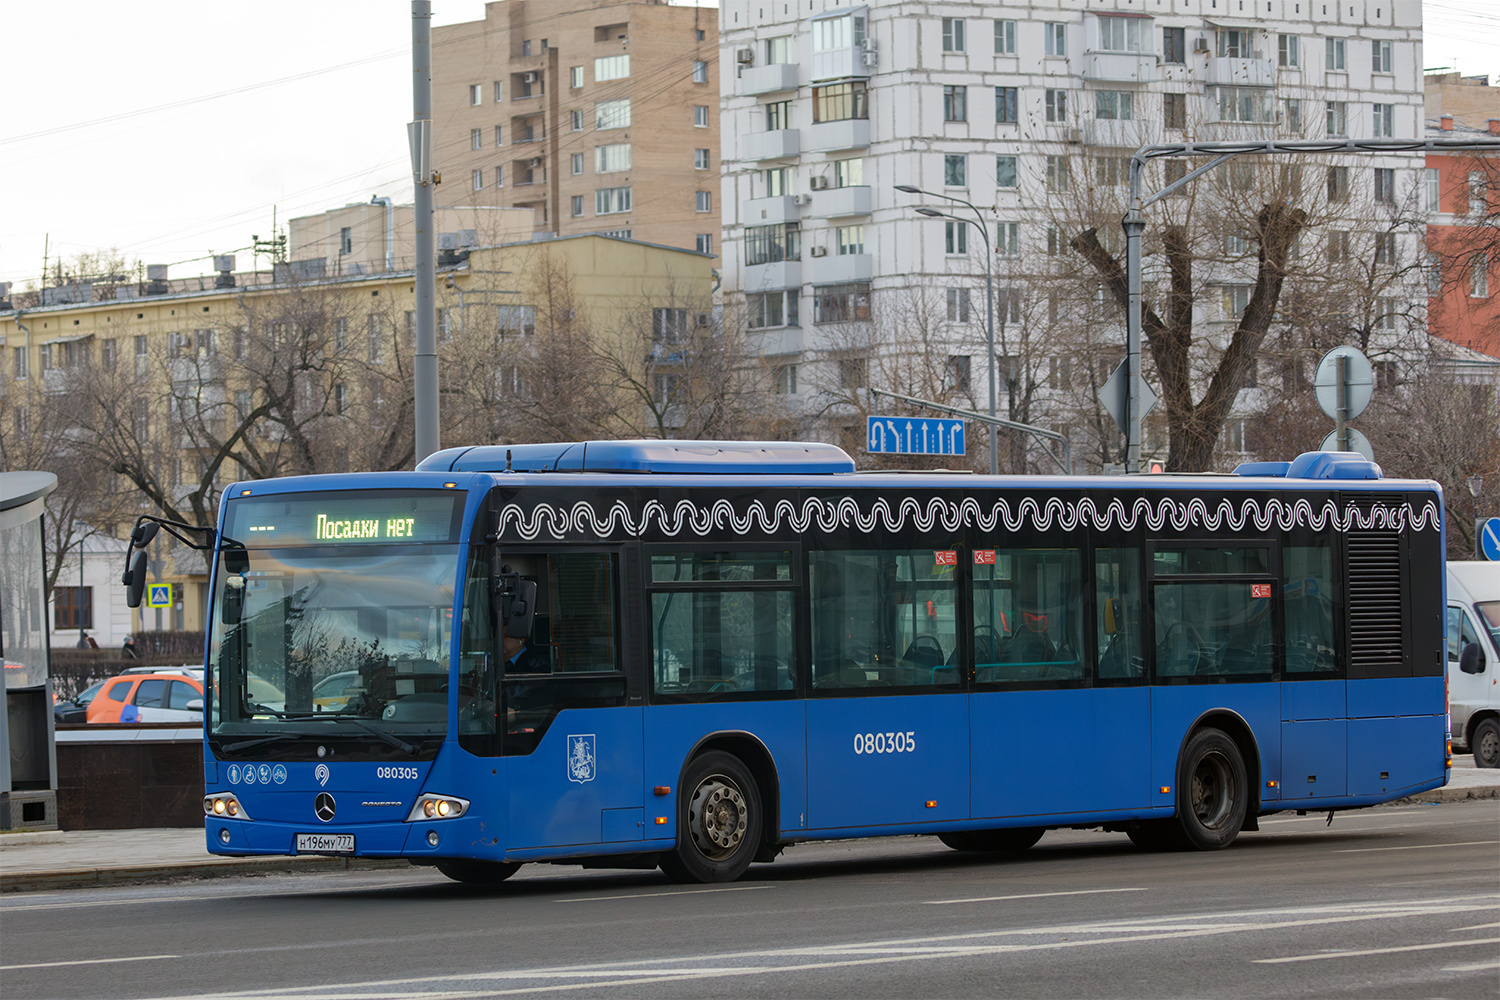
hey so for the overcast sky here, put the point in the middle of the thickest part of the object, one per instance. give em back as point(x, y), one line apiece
point(172, 130)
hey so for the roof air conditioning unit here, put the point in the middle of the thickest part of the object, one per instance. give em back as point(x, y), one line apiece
point(820, 251)
point(1200, 45)
point(819, 183)
point(744, 56)
point(801, 199)
point(528, 78)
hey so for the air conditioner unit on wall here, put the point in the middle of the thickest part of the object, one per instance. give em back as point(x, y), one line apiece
point(801, 199)
point(528, 77)
point(1074, 135)
point(537, 162)
point(819, 183)
point(744, 56)
point(820, 251)
point(1200, 45)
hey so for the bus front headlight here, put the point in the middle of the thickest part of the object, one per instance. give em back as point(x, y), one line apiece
point(433, 806)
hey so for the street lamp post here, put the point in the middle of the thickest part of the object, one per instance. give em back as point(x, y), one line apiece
point(989, 299)
point(1475, 483)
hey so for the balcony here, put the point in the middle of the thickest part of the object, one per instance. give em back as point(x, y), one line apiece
point(836, 202)
point(1112, 132)
point(838, 269)
point(765, 211)
point(842, 64)
point(193, 370)
point(827, 137)
point(767, 79)
point(777, 341)
point(1120, 67)
point(780, 144)
point(1226, 71)
point(767, 277)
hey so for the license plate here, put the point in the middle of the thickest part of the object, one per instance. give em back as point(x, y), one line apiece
point(325, 843)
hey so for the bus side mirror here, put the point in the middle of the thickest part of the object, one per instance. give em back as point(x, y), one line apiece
point(1471, 660)
point(135, 580)
point(522, 610)
point(143, 534)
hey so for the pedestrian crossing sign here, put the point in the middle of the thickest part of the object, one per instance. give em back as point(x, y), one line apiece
point(159, 595)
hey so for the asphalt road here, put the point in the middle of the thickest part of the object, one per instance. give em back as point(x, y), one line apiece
point(1391, 902)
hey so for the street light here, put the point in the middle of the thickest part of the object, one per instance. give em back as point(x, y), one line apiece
point(989, 297)
point(1476, 484)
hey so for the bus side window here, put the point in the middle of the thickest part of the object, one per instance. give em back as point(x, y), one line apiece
point(1117, 592)
point(1028, 615)
point(1307, 593)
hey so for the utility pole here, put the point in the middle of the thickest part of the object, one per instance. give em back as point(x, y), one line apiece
point(419, 132)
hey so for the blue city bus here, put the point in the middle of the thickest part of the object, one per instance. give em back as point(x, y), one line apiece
point(693, 654)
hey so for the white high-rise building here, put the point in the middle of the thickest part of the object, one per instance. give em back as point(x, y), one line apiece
point(829, 105)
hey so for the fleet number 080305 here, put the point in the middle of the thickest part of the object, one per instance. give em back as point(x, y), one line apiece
point(885, 742)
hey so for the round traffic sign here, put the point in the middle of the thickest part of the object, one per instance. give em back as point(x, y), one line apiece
point(1357, 443)
point(1359, 382)
point(1489, 539)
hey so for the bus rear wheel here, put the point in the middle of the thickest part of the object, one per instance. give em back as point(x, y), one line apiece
point(477, 872)
point(1212, 791)
point(719, 820)
point(1005, 841)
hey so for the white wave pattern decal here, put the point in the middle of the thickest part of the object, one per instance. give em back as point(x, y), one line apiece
point(817, 514)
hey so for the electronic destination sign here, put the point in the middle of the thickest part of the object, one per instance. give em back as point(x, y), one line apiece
point(379, 517)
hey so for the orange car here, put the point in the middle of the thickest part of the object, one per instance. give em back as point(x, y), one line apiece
point(147, 696)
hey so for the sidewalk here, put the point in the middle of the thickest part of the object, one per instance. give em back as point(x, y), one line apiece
point(92, 858)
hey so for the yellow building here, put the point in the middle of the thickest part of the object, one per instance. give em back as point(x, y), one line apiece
point(174, 396)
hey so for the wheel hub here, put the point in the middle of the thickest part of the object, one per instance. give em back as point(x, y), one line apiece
point(718, 818)
point(1212, 791)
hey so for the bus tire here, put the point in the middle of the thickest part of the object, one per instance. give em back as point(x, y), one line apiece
point(1486, 743)
point(1007, 841)
point(719, 820)
point(1213, 792)
point(477, 872)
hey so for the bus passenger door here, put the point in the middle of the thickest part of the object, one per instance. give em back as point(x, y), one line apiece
point(887, 722)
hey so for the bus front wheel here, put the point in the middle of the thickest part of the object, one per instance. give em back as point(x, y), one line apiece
point(1212, 790)
point(719, 821)
point(477, 872)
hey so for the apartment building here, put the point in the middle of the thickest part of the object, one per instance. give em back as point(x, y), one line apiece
point(379, 235)
point(598, 115)
point(830, 105)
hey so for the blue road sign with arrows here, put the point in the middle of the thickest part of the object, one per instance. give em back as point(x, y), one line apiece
point(914, 436)
point(1489, 539)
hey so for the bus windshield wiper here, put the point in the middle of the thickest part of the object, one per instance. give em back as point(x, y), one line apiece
point(259, 741)
point(379, 734)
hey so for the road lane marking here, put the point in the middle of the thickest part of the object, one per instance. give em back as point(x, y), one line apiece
point(86, 961)
point(1476, 927)
point(20, 907)
point(1414, 847)
point(1026, 895)
point(1375, 951)
point(652, 895)
point(1474, 967)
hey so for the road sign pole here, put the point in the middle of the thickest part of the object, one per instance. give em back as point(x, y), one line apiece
point(1134, 225)
point(1341, 425)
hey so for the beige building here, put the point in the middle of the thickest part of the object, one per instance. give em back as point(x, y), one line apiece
point(378, 235)
point(598, 115)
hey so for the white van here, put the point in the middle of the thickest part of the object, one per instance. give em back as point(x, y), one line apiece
point(1474, 659)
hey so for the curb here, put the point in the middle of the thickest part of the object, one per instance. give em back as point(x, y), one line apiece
point(1449, 793)
point(87, 878)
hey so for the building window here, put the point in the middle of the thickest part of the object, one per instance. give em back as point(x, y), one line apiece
point(700, 116)
point(611, 68)
point(1244, 104)
point(953, 34)
point(1382, 118)
point(1056, 38)
point(497, 92)
point(340, 398)
point(704, 243)
point(1434, 272)
point(669, 326)
point(849, 173)
point(476, 94)
point(376, 337)
point(1479, 276)
point(1114, 105)
point(773, 244)
point(109, 355)
point(955, 170)
point(958, 372)
point(1385, 248)
point(1333, 55)
point(778, 116)
point(1338, 118)
point(611, 201)
point(500, 176)
point(1338, 245)
point(785, 379)
point(1288, 51)
point(476, 178)
point(851, 239)
point(1007, 239)
point(703, 201)
point(700, 159)
point(955, 237)
point(1291, 116)
point(1380, 56)
point(1478, 194)
point(499, 136)
point(779, 51)
point(854, 373)
point(609, 159)
point(833, 33)
point(958, 305)
point(577, 160)
point(1122, 34)
point(577, 121)
point(1234, 43)
point(1338, 184)
point(575, 77)
point(778, 181)
point(20, 361)
point(1056, 105)
point(1433, 180)
point(841, 102)
point(1174, 110)
point(476, 138)
point(1385, 185)
point(1174, 46)
point(1057, 173)
point(577, 205)
point(1006, 175)
point(771, 309)
point(955, 104)
point(1236, 300)
point(612, 114)
point(700, 71)
point(1006, 101)
point(75, 607)
point(526, 47)
point(1005, 38)
point(841, 303)
point(515, 321)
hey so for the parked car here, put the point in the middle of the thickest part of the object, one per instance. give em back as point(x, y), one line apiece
point(75, 709)
point(1474, 658)
point(150, 695)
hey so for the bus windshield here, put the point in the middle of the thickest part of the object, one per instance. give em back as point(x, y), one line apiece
point(339, 629)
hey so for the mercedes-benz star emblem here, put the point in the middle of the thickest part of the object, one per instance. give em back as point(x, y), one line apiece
point(324, 806)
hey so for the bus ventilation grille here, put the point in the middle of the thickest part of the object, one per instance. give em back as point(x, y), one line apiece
point(1375, 600)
